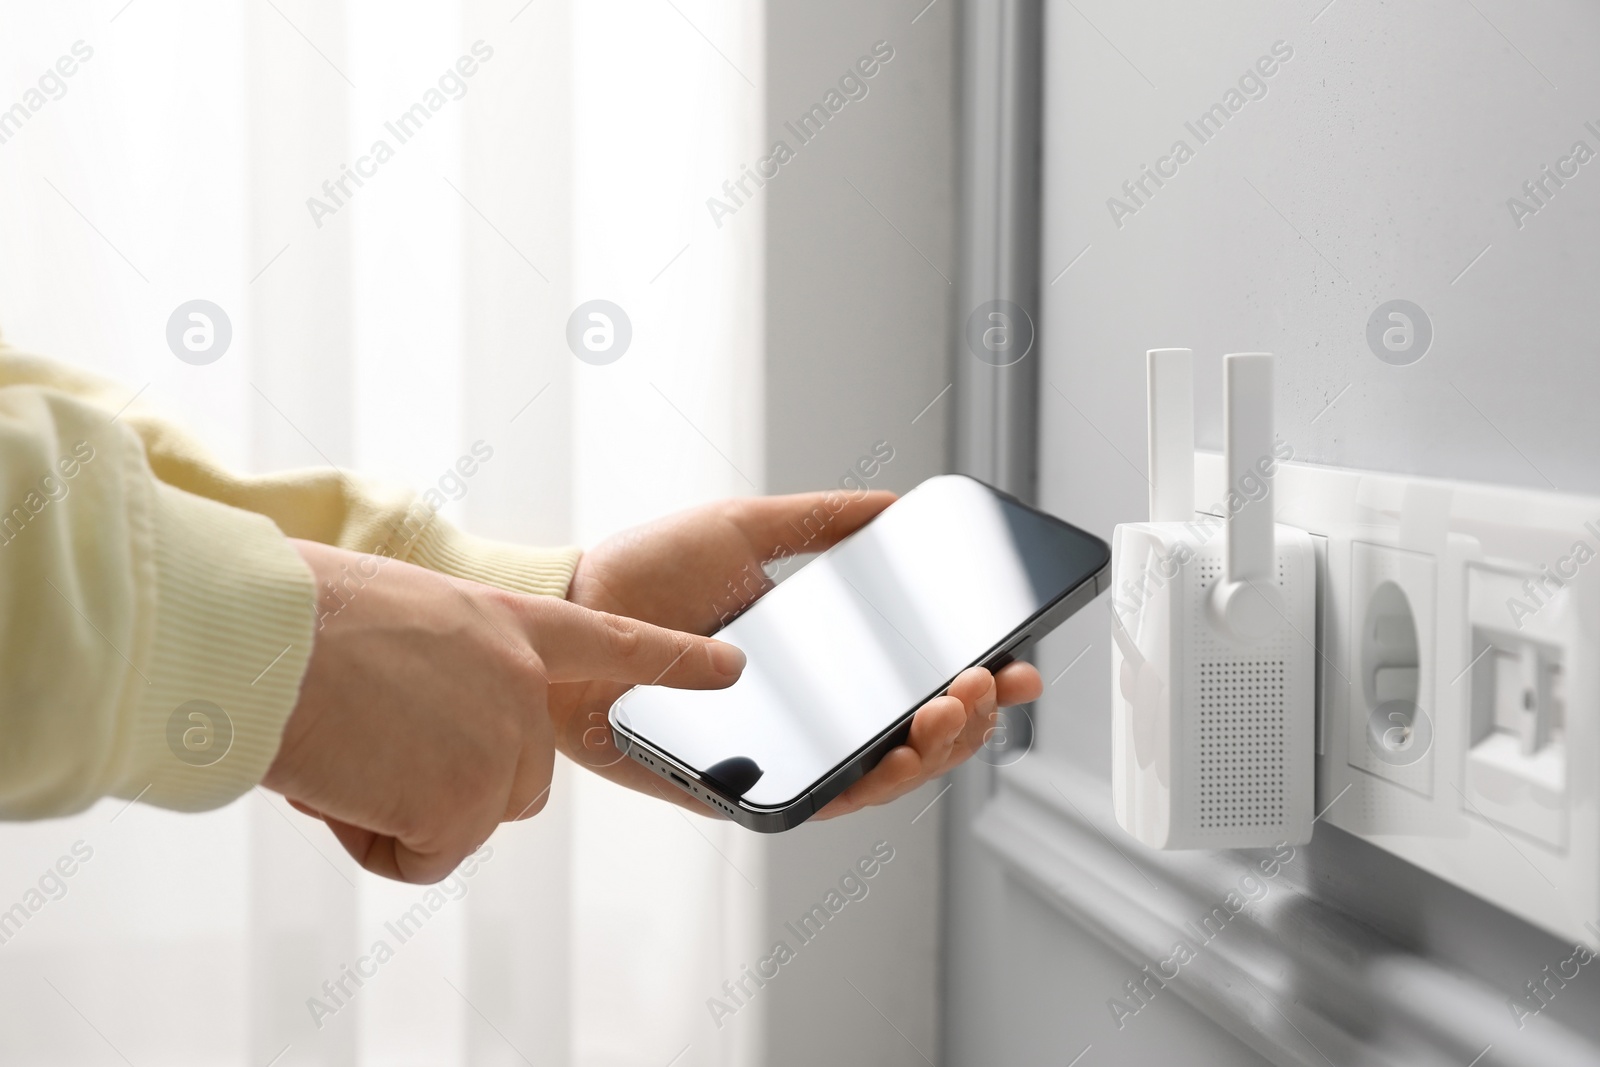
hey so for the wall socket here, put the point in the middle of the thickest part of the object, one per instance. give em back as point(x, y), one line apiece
point(1458, 647)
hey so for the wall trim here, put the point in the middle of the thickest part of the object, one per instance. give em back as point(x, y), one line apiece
point(995, 438)
point(1296, 980)
point(997, 408)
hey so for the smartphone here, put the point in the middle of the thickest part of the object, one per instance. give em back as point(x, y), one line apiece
point(842, 653)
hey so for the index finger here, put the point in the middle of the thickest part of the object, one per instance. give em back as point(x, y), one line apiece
point(577, 644)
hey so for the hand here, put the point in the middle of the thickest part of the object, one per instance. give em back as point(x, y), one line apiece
point(692, 570)
point(423, 717)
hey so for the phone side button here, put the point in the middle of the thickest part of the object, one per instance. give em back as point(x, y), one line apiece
point(1008, 654)
point(994, 663)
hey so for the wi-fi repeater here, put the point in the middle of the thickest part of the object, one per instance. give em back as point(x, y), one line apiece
point(1213, 624)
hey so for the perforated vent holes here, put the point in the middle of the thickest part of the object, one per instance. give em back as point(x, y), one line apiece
point(1241, 744)
point(1242, 719)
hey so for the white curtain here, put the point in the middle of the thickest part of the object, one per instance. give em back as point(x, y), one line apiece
point(388, 330)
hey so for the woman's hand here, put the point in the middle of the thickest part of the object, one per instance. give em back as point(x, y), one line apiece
point(693, 570)
point(423, 720)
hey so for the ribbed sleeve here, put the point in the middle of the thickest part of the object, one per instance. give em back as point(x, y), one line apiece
point(156, 620)
point(441, 547)
point(228, 641)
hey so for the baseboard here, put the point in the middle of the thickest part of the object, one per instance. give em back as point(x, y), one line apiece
point(1296, 980)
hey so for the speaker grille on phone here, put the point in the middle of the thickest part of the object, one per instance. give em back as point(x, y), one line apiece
point(693, 788)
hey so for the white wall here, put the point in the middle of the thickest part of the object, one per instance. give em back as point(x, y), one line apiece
point(419, 318)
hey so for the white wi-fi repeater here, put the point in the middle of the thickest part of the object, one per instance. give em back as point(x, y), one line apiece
point(1213, 621)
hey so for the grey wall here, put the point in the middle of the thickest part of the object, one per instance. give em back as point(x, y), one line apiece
point(860, 244)
point(859, 260)
point(1376, 167)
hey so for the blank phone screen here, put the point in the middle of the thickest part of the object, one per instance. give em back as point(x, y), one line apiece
point(866, 633)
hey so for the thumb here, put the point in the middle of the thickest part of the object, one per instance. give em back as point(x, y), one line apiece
point(809, 522)
point(577, 644)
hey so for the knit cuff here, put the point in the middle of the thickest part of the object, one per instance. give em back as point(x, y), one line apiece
point(235, 609)
point(544, 571)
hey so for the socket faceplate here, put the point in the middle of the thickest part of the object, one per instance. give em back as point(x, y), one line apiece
point(1474, 752)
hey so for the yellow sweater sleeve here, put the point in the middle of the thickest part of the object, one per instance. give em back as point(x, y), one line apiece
point(154, 620)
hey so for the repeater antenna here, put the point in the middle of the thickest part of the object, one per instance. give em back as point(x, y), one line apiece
point(1169, 384)
point(1246, 600)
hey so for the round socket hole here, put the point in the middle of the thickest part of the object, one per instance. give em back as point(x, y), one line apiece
point(1399, 732)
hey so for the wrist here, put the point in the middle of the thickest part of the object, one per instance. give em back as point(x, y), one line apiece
point(322, 561)
point(587, 590)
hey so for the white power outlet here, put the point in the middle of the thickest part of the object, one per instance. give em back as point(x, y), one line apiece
point(1459, 689)
point(1389, 725)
